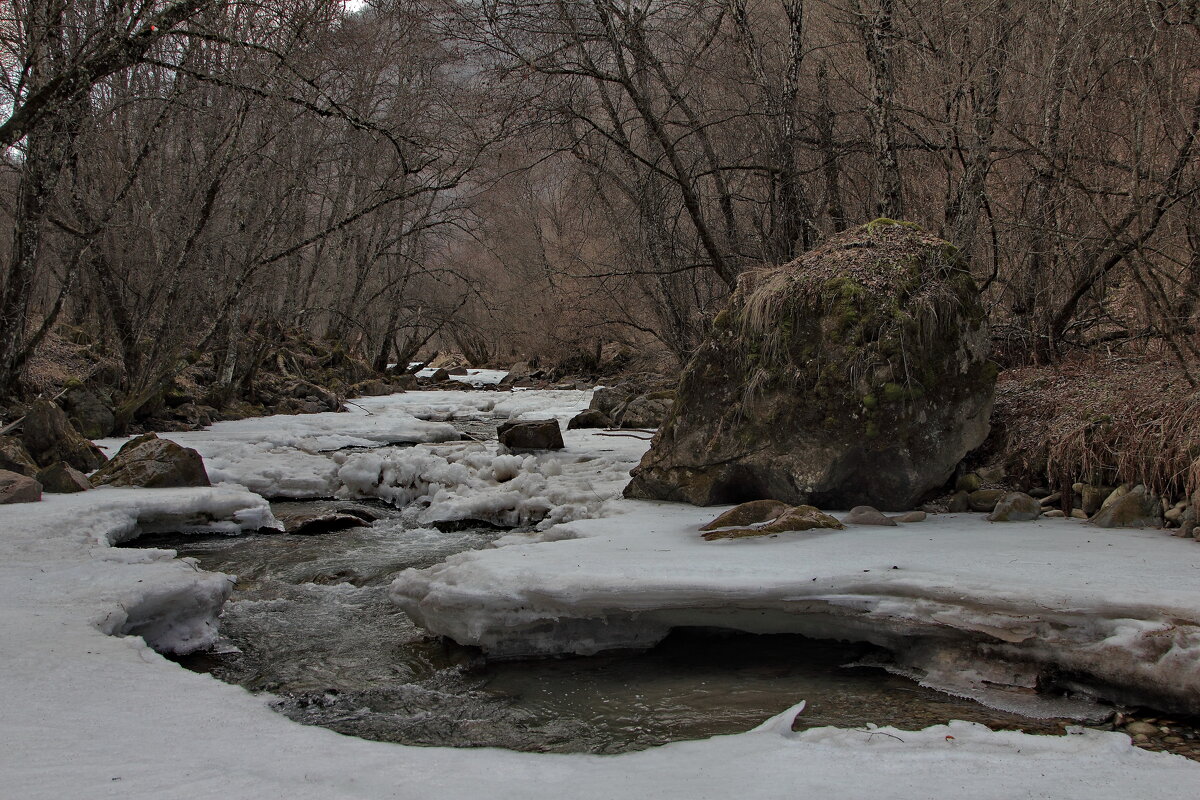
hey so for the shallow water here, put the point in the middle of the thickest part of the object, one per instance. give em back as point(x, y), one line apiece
point(310, 622)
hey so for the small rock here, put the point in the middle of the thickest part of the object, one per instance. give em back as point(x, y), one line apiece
point(62, 478)
point(153, 463)
point(1144, 728)
point(959, 503)
point(314, 524)
point(531, 434)
point(1140, 737)
point(1078, 513)
point(750, 513)
point(1094, 497)
point(797, 518)
point(985, 499)
point(967, 483)
point(1050, 500)
point(439, 375)
point(18, 488)
point(1115, 495)
point(911, 516)
point(868, 515)
point(1134, 509)
point(1055, 513)
point(1015, 507)
point(15, 458)
point(589, 418)
point(1175, 513)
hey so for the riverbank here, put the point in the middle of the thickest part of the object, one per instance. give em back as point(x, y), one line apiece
point(105, 716)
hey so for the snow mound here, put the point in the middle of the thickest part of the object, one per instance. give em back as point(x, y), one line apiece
point(470, 481)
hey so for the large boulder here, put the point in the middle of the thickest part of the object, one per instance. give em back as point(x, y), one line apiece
point(15, 458)
point(855, 375)
point(530, 434)
point(89, 414)
point(154, 463)
point(49, 437)
point(18, 488)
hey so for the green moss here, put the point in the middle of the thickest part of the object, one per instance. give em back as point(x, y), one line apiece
point(883, 222)
point(870, 402)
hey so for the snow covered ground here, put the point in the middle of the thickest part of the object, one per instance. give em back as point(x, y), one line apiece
point(91, 710)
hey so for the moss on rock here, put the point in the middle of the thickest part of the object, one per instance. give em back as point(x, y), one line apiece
point(863, 362)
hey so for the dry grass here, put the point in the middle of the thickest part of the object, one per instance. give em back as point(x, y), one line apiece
point(57, 362)
point(878, 281)
point(1103, 420)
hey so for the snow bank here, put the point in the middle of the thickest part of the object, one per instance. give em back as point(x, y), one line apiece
point(1122, 607)
point(65, 540)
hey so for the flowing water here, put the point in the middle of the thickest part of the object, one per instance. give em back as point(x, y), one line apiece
point(311, 623)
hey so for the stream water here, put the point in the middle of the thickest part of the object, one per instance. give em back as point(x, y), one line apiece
point(310, 622)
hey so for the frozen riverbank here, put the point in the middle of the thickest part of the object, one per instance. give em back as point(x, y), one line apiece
point(92, 714)
point(972, 606)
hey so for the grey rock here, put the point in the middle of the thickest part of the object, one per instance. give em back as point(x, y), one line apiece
point(589, 418)
point(959, 502)
point(867, 515)
point(153, 463)
point(15, 458)
point(89, 414)
point(645, 411)
point(1015, 507)
point(1115, 495)
point(49, 437)
point(607, 399)
point(985, 499)
point(18, 488)
point(62, 478)
point(911, 517)
point(1136, 508)
point(1092, 498)
point(531, 434)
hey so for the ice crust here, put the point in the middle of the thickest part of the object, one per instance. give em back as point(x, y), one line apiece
point(92, 710)
point(1009, 599)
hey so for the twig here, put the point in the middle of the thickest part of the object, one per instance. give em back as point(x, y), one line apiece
point(356, 405)
point(627, 436)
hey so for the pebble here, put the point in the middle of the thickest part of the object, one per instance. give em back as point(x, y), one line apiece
point(1141, 729)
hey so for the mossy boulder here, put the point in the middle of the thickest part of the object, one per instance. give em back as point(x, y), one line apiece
point(855, 375)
